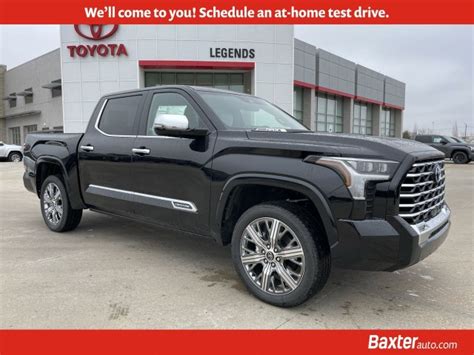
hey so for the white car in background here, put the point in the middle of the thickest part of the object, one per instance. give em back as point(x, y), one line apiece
point(11, 152)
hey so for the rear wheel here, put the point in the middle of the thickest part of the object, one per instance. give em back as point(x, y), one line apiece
point(280, 254)
point(15, 157)
point(460, 158)
point(57, 212)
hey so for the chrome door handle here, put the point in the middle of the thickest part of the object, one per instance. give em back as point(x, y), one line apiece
point(87, 148)
point(141, 151)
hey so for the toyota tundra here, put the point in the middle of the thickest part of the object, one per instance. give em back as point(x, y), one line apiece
point(291, 203)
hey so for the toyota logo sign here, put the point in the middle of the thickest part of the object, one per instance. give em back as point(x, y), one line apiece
point(96, 32)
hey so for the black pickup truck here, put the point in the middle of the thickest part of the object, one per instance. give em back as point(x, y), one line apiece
point(238, 169)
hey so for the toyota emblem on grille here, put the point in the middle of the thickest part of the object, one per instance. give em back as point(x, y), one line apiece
point(437, 173)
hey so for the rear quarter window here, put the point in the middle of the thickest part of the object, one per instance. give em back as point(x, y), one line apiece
point(118, 117)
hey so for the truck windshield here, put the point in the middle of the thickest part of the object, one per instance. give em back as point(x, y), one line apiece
point(458, 140)
point(242, 112)
point(450, 139)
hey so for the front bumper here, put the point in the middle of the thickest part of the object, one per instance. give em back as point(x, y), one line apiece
point(388, 245)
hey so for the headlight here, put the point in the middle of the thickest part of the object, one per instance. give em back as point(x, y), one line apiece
point(357, 172)
point(472, 149)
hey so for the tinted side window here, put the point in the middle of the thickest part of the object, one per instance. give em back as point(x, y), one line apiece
point(423, 139)
point(119, 115)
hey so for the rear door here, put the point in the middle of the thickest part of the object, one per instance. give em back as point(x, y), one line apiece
point(105, 154)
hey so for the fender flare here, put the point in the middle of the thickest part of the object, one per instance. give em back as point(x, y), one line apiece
point(460, 149)
point(318, 199)
point(74, 196)
point(10, 151)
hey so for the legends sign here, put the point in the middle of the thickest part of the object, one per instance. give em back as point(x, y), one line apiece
point(237, 53)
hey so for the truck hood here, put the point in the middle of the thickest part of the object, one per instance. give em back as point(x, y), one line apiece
point(348, 145)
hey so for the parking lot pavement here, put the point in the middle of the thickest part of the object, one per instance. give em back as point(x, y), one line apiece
point(114, 273)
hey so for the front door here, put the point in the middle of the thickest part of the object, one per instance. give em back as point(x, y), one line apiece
point(439, 142)
point(171, 175)
point(105, 154)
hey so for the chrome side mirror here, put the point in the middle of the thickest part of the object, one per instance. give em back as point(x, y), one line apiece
point(170, 122)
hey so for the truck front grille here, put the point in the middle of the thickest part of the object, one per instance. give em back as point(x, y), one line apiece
point(422, 192)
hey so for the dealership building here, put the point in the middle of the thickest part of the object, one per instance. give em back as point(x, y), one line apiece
point(59, 90)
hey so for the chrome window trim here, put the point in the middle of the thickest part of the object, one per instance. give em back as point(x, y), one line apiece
point(97, 122)
point(173, 202)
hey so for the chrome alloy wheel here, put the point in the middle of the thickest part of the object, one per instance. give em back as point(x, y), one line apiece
point(272, 255)
point(53, 203)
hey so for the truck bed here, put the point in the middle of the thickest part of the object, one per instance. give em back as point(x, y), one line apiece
point(68, 140)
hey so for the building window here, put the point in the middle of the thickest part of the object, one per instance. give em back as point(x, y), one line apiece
point(28, 94)
point(57, 91)
point(59, 129)
point(362, 123)
point(298, 103)
point(28, 129)
point(15, 135)
point(12, 100)
point(226, 81)
point(55, 87)
point(387, 123)
point(329, 113)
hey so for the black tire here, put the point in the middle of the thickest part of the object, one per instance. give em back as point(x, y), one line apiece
point(313, 241)
point(15, 157)
point(70, 218)
point(460, 158)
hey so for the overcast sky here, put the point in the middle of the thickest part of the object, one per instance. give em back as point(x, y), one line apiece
point(436, 62)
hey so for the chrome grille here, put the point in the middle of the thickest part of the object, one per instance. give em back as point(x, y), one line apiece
point(422, 192)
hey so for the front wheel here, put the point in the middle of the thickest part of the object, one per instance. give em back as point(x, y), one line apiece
point(57, 212)
point(281, 255)
point(460, 158)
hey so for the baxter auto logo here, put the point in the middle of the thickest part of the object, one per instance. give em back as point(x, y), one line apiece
point(97, 33)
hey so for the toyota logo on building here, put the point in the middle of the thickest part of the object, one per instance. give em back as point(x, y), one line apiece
point(96, 32)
